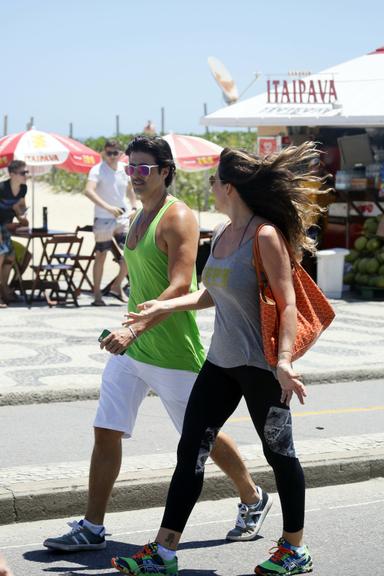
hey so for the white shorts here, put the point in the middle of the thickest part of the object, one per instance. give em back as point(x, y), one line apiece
point(125, 384)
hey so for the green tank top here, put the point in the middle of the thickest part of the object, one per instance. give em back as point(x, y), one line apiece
point(174, 343)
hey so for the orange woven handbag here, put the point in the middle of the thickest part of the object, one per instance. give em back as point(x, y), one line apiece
point(314, 312)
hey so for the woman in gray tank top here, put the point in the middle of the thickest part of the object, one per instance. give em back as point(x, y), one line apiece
point(251, 191)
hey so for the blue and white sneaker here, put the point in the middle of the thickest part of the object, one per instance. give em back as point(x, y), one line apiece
point(250, 518)
point(79, 538)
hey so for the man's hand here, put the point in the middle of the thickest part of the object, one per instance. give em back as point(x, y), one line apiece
point(23, 221)
point(117, 341)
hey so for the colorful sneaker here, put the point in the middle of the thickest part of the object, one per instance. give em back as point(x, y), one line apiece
point(147, 561)
point(79, 538)
point(285, 561)
point(250, 518)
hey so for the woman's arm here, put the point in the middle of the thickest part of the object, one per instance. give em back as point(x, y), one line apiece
point(277, 266)
point(192, 301)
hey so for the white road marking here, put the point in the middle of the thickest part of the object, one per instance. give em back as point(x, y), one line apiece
point(200, 524)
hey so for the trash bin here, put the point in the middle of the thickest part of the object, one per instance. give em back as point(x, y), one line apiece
point(330, 270)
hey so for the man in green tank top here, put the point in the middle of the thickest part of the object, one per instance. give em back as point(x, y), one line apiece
point(163, 354)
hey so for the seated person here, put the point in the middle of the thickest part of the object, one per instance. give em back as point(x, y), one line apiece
point(12, 204)
point(22, 257)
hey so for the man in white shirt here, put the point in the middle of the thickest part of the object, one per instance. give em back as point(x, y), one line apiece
point(108, 187)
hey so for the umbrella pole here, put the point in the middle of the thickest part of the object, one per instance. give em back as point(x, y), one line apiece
point(33, 225)
point(33, 200)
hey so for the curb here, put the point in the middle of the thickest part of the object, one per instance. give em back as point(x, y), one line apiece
point(139, 490)
point(92, 393)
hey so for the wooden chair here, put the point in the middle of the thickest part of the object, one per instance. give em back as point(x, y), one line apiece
point(54, 275)
point(83, 261)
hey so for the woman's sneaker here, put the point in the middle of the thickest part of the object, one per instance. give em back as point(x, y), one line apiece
point(250, 518)
point(285, 561)
point(79, 538)
point(146, 561)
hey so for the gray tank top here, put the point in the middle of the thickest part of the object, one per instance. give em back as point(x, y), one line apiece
point(232, 284)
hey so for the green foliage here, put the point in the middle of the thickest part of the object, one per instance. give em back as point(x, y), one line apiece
point(191, 187)
point(63, 181)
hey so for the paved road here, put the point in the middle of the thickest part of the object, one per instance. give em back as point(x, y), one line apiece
point(47, 434)
point(344, 530)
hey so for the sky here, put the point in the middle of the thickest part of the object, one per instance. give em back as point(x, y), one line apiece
point(87, 61)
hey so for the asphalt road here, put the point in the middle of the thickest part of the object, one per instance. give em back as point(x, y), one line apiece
point(61, 432)
point(344, 531)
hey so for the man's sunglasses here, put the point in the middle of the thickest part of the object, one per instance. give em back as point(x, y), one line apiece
point(142, 169)
point(112, 153)
point(23, 173)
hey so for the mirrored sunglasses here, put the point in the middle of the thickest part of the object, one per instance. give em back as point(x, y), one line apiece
point(141, 169)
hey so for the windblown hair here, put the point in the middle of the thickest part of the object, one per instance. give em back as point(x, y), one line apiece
point(276, 188)
point(159, 149)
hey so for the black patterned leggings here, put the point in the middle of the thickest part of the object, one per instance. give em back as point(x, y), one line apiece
point(215, 396)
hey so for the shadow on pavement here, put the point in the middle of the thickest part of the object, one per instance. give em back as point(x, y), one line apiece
point(96, 560)
point(209, 543)
point(101, 560)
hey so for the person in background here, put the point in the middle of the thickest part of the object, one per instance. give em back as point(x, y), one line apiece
point(252, 192)
point(108, 187)
point(163, 356)
point(149, 128)
point(12, 204)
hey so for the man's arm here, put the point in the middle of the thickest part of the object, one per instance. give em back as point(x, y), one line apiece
point(90, 192)
point(177, 236)
point(20, 209)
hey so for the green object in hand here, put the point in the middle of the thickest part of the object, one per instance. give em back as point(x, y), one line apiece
point(104, 334)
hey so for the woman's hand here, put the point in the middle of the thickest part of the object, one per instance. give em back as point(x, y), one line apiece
point(117, 341)
point(289, 382)
point(149, 309)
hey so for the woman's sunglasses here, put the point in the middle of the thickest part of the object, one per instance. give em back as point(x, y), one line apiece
point(142, 169)
point(212, 180)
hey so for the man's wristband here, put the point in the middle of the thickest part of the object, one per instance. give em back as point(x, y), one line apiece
point(132, 332)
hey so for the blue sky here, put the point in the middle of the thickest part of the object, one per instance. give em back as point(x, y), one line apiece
point(86, 61)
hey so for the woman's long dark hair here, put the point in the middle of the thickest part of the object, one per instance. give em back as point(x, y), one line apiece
point(277, 188)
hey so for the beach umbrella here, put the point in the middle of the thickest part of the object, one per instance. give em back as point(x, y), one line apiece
point(38, 149)
point(192, 153)
point(41, 150)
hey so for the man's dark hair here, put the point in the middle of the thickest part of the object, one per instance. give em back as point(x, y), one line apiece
point(16, 166)
point(159, 149)
point(112, 144)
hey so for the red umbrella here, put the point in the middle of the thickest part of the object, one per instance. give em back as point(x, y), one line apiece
point(44, 149)
point(192, 153)
point(38, 148)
